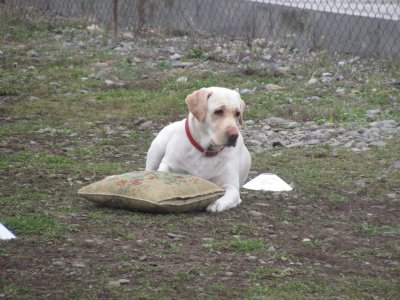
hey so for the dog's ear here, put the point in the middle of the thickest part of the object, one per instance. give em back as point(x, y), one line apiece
point(197, 103)
point(242, 106)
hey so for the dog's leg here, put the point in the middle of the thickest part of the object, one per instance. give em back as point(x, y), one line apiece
point(163, 167)
point(229, 200)
point(158, 147)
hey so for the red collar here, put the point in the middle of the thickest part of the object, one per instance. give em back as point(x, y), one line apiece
point(197, 145)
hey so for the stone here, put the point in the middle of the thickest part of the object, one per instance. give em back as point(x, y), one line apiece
point(93, 28)
point(395, 166)
point(276, 121)
point(101, 65)
point(273, 87)
point(341, 92)
point(182, 79)
point(124, 281)
point(372, 113)
point(175, 236)
point(101, 75)
point(326, 80)
point(378, 144)
point(176, 56)
point(229, 274)
point(245, 60)
point(266, 57)
point(178, 64)
point(251, 258)
point(41, 77)
point(32, 54)
point(78, 265)
point(312, 81)
point(146, 125)
point(255, 213)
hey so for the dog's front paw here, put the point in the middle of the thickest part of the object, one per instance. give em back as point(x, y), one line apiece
point(222, 204)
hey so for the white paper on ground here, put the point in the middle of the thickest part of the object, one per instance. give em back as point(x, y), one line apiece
point(268, 182)
point(6, 234)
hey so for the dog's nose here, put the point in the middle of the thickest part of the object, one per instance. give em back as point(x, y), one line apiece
point(232, 137)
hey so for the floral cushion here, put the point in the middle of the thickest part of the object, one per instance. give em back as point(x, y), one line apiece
point(152, 191)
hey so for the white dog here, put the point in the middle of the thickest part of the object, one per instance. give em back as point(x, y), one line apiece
point(207, 144)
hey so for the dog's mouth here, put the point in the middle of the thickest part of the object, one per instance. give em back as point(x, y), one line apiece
point(217, 147)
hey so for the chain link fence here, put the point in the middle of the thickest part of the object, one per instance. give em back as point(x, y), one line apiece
point(361, 27)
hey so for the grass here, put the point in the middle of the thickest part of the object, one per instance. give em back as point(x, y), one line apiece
point(59, 132)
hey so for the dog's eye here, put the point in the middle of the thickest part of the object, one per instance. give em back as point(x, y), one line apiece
point(219, 112)
point(237, 114)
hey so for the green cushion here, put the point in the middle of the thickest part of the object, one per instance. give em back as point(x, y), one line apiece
point(152, 191)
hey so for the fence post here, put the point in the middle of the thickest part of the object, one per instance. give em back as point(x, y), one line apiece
point(115, 20)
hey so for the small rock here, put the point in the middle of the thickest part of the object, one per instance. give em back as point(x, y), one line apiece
point(101, 65)
point(396, 165)
point(273, 87)
point(251, 258)
point(123, 281)
point(91, 102)
point(326, 80)
point(372, 113)
point(378, 144)
point(391, 196)
point(78, 265)
point(41, 77)
point(341, 63)
point(306, 240)
point(360, 183)
point(109, 82)
point(182, 79)
point(341, 92)
point(178, 64)
point(32, 54)
point(175, 236)
point(247, 91)
point(314, 99)
point(101, 75)
point(271, 249)
point(58, 263)
point(146, 125)
point(229, 274)
point(255, 213)
point(93, 28)
point(276, 121)
point(143, 258)
point(245, 60)
point(312, 81)
point(176, 56)
point(137, 60)
point(266, 57)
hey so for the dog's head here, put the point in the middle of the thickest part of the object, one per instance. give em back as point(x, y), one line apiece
point(220, 111)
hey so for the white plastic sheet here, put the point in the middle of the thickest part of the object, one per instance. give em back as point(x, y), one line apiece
point(6, 234)
point(268, 182)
